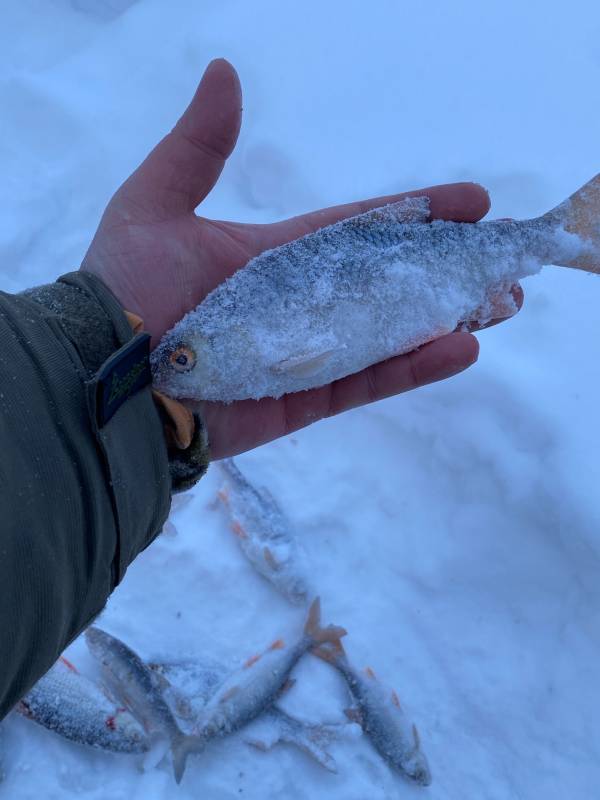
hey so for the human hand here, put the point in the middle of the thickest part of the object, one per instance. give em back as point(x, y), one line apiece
point(160, 260)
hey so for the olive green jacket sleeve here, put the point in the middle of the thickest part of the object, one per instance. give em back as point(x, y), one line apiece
point(82, 490)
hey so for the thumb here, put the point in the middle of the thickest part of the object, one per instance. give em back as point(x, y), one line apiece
point(185, 165)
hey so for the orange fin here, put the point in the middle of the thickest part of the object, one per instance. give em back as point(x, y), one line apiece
point(251, 661)
point(270, 559)
point(370, 674)
point(223, 495)
point(312, 628)
point(239, 531)
point(229, 694)
point(396, 699)
point(68, 664)
point(278, 644)
point(580, 214)
point(354, 715)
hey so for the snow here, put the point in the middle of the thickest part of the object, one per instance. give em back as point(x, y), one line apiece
point(453, 530)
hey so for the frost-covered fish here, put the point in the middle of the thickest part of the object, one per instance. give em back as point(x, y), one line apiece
point(137, 687)
point(379, 713)
point(276, 726)
point(249, 691)
point(68, 703)
point(359, 291)
point(188, 685)
point(264, 533)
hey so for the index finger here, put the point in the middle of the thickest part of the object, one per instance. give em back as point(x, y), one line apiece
point(459, 202)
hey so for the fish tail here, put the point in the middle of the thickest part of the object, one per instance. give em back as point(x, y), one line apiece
point(580, 214)
point(181, 748)
point(331, 634)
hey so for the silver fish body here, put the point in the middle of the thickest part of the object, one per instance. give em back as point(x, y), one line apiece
point(256, 686)
point(135, 684)
point(378, 711)
point(264, 533)
point(71, 705)
point(196, 683)
point(360, 291)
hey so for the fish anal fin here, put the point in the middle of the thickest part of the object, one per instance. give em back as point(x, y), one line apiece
point(369, 672)
point(396, 699)
point(68, 664)
point(354, 715)
point(278, 644)
point(223, 495)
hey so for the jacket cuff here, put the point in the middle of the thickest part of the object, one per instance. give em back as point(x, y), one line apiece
point(113, 365)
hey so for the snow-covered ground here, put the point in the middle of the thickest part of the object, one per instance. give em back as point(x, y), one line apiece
point(453, 531)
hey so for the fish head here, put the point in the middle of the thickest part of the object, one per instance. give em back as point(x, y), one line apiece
point(417, 769)
point(175, 365)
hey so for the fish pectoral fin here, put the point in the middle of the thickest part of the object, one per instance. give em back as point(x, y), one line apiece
point(303, 364)
point(354, 715)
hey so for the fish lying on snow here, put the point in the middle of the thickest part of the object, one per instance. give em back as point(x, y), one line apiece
point(188, 685)
point(250, 690)
point(359, 291)
point(137, 687)
point(378, 711)
point(264, 533)
point(68, 703)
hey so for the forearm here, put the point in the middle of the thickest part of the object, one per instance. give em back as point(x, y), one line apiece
point(84, 483)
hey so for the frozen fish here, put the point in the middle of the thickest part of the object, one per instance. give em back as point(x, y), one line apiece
point(249, 691)
point(137, 687)
point(188, 685)
point(68, 703)
point(264, 533)
point(380, 714)
point(275, 726)
point(360, 291)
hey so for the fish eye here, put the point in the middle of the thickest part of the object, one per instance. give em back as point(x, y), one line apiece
point(182, 359)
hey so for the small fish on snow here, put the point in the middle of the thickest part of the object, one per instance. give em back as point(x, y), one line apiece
point(261, 680)
point(189, 685)
point(379, 713)
point(360, 291)
point(137, 687)
point(68, 703)
point(264, 533)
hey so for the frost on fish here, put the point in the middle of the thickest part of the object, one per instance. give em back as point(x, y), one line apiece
point(189, 685)
point(264, 533)
point(253, 688)
point(277, 726)
point(137, 687)
point(359, 291)
point(68, 703)
point(380, 714)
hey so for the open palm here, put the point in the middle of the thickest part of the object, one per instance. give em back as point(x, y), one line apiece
point(160, 260)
